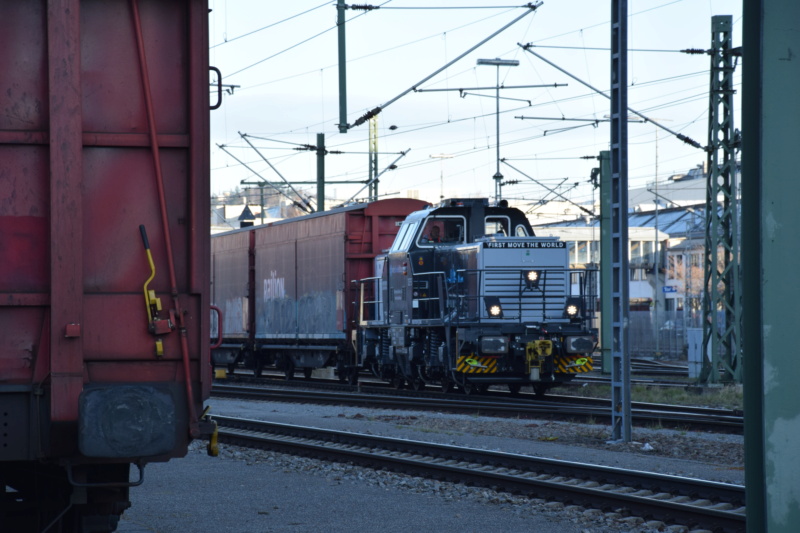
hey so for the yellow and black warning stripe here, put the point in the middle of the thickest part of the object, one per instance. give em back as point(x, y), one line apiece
point(472, 364)
point(573, 364)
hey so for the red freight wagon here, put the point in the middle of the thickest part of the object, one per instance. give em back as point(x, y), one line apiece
point(104, 123)
point(285, 288)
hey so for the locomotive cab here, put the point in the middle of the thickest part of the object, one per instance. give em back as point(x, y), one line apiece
point(468, 296)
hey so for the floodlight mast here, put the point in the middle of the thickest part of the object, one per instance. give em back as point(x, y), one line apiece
point(497, 62)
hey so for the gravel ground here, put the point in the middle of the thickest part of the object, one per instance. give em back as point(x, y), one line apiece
point(315, 496)
point(711, 456)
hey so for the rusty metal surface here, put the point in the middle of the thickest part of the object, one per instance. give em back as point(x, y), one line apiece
point(303, 271)
point(77, 179)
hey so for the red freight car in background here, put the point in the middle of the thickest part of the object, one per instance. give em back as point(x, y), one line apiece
point(285, 288)
point(103, 350)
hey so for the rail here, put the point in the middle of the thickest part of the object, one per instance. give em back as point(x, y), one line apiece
point(688, 501)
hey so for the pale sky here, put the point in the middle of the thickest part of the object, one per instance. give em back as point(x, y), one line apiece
point(288, 92)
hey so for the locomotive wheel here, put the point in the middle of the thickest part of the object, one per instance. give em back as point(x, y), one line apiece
point(539, 390)
point(398, 382)
point(514, 388)
point(468, 388)
point(447, 385)
point(417, 384)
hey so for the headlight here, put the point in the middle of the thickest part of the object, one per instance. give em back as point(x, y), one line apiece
point(494, 345)
point(493, 307)
point(579, 344)
point(573, 308)
point(532, 279)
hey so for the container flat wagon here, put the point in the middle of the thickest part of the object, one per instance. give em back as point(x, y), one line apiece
point(286, 288)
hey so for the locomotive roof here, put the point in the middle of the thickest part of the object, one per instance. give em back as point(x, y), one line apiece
point(471, 207)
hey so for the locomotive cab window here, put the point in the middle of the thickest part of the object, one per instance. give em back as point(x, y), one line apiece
point(497, 226)
point(440, 230)
point(404, 237)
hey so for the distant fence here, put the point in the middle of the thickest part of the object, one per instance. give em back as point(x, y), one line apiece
point(660, 335)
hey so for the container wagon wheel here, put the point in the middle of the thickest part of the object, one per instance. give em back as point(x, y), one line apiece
point(288, 368)
point(307, 371)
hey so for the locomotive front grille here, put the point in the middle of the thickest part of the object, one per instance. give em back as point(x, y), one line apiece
point(543, 302)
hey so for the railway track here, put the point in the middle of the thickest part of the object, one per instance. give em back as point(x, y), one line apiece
point(671, 499)
point(562, 407)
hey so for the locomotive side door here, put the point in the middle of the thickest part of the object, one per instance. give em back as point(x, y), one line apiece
point(438, 235)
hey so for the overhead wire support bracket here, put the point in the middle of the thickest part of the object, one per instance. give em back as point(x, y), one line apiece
point(587, 211)
point(532, 6)
point(565, 119)
point(375, 178)
point(680, 136)
point(245, 165)
point(462, 95)
point(305, 201)
point(461, 89)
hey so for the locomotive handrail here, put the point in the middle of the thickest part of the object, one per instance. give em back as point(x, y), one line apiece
point(362, 302)
point(220, 336)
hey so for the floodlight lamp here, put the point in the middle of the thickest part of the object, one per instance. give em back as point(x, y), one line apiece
point(499, 62)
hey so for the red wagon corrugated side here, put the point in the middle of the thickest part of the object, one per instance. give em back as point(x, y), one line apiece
point(104, 117)
point(285, 288)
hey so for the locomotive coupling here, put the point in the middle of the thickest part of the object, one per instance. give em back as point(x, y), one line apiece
point(535, 352)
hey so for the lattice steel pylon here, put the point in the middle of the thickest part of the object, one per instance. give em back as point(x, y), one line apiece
point(373, 159)
point(721, 301)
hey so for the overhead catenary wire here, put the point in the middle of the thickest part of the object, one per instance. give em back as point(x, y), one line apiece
point(266, 182)
point(375, 178)
point(226, 41)
point(547, 148)
point(323, 32)
point(587, 211)
point(531, 8)
point(305, 200)
point(371, 54)
point(680, 136)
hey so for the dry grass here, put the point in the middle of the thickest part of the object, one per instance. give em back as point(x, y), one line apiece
point(724, 397)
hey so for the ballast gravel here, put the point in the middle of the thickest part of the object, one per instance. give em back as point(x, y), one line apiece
point(246, 490)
